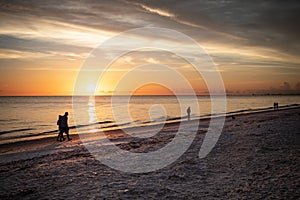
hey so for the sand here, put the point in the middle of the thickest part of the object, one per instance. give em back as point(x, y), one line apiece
point(256, 157)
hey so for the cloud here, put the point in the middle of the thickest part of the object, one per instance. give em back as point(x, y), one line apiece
point(258, 24)
point(152, 60)
point(286, 88)
point(38, 45)
point(271, 24)
point(254, 37)
point(158, 11)
point(12, 54)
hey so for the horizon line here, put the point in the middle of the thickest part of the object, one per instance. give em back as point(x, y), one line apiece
point(151, 95)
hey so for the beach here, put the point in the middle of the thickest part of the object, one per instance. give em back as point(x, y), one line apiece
point(256, 157)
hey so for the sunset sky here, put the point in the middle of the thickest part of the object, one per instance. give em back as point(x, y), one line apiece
point(254, 44)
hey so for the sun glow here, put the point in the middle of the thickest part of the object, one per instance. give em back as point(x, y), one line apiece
point(91, 88)
point(153, 89)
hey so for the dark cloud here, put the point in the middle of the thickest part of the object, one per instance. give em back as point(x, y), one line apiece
point(273, 24)
point(34, 45)
point(105, 14)
point(242, 24)
point(286, 88)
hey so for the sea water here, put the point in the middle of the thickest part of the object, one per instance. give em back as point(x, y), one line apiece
point(23, 118)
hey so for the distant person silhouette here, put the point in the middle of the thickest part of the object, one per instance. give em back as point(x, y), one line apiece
point(60, 136)
point(275, 105)
point(188, 110)
point(64, 125)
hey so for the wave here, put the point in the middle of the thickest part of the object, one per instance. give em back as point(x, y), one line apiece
point(16, 130)
point(50, 131)
point(260, 109)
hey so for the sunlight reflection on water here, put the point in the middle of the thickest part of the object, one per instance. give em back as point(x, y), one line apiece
point(92, 110)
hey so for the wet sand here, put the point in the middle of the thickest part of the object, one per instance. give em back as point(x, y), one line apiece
point(256, 157)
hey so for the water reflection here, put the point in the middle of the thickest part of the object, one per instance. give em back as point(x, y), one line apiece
point(92, 110)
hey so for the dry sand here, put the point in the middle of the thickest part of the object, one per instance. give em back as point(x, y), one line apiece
point(256, 157)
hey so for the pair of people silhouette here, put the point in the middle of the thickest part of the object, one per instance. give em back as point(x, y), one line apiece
point(63, 127)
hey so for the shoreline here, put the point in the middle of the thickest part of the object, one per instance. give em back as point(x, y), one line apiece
point(20, 149)
point(43, 136)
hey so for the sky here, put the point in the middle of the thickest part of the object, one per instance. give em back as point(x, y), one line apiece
point(255, 45)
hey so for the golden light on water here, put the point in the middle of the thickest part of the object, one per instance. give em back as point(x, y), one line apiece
point(92, 110)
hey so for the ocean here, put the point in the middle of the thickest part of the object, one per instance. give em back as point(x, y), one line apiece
point(26, 118)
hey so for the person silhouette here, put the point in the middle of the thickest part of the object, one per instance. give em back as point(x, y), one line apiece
point(60, 136)
point(275, 105)
point(188, 110)
point(64, 125)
